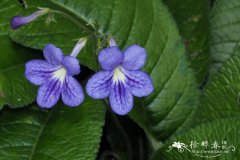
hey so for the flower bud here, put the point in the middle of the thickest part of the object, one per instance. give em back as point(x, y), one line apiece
point(19, 21)
point(78, 47)
point(112, 42)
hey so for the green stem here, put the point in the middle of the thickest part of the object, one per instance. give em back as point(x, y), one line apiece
point(121, 130)
point(95, 46)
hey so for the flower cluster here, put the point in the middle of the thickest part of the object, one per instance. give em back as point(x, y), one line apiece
point(120, 79)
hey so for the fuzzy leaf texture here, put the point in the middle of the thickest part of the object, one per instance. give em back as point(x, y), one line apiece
point(193, 22)
point(62, 133)
point(225, 25)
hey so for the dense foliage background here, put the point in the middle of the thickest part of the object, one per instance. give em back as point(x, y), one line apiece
point(193, 59)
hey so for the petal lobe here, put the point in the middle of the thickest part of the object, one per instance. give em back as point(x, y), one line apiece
point(134, 57)
point(99, 85)
point(139, 83)
point(110, 57)
point(38, 71)
point(53, 54)
point(72, 92)
point(72, 65)
point(121, 100)
point(49, 94)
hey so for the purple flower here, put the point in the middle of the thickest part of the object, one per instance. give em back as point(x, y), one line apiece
point(121, 78)
point(19, 21)
point(55, 76)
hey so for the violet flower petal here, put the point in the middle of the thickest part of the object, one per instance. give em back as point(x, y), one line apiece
point(121, 100)
point(139, 83)
point(72, 65)
point(110, 57)
point(99, 85)
point(72, 92)
point(38, 71)
point(53, 54)
point(49, 93)
point(134, 57)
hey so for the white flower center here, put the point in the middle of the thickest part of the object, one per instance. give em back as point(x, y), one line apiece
point(60, 74)
point(118, 75)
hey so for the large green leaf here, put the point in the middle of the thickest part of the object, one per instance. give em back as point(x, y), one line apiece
point(147, 23)
point(225, 26)
point(61, 133)
point(192, 19)
point(14, 89)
